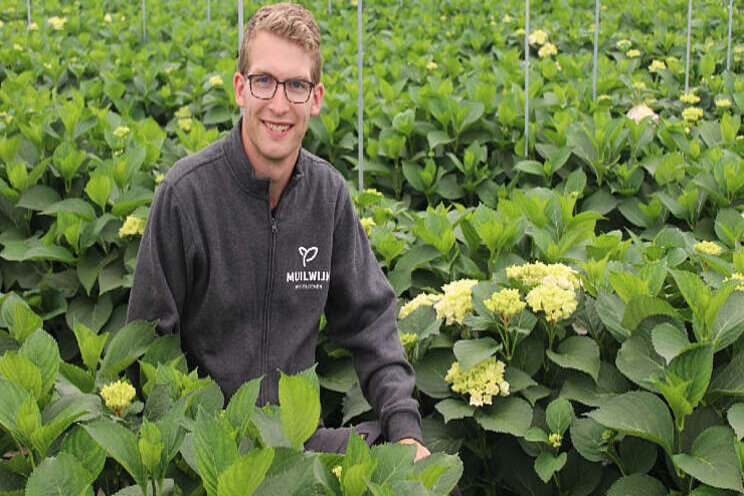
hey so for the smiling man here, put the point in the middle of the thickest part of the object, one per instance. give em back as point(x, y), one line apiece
point(250, 240)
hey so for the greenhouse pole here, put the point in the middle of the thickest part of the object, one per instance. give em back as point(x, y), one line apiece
point(329, 6)
point(144, 22)
point(209, 13)
point(526, 77)
point(28, 12)
point(689, 34)
point(240, 35)
point(596, 51)
point(360, 122)
point(728, 50)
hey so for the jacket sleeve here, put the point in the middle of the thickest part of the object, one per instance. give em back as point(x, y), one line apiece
point(162, 273)
point(361, 318)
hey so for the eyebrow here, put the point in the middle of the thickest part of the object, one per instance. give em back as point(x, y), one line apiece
point(267, 73)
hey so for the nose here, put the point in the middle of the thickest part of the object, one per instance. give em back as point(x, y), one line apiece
point(279, 103)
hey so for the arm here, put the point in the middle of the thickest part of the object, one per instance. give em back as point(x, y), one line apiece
point(162, 274)
point(361, 318)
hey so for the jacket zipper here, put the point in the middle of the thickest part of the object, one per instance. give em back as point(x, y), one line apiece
point(267, 304)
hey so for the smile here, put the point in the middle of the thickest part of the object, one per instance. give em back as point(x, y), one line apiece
point(277, 128)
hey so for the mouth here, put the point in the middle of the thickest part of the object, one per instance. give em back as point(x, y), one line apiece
point(277, 128)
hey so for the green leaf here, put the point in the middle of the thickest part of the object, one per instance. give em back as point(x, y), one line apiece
point(99, 188)
point(470, 352)
point(93, 313)
point(214, 450)
point(638, 413)
point(586, 437)
point(60, 475)
point(546, 464)
point(77, 206)
point(90, 344)
point(453, 409)
point(518, 380)
point(121, 445)
point(558, 415)
point(300, 408)
point(669, 340)
point(242, 405)
point(728, 325)
point(394, 463)
point(578, 353)
point(694, 364)
point(637, 485)
point(131, 342)
point(509, 415)
point(611, 308)
point(713, 459)
point(21, 371)
point(38, 198)
point(730, 380)
point(643, 306)
point(78, 443)
point(43, 438)
point(638, 361)
point(439, 472)
point(20, 319)
point(28, 418)
point(735, 416)
point(431, 370)
point(41, 349)
point(131, 199)
point(244, 476)
point(12, 396)
point(423, 322)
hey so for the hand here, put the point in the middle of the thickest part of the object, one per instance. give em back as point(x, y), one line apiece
point(421, 451)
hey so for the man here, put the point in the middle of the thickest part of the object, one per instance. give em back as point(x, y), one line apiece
point(250, 240)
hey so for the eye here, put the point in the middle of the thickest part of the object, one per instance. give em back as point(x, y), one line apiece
point(297, 84)
point(263, 79)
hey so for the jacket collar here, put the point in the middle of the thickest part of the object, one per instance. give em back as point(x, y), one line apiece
point(243, 169)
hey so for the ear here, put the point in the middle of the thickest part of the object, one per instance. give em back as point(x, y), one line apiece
point(240, 85)
point(317, 99)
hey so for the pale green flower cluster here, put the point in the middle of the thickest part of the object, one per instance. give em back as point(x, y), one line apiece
point(633, 53)
point(656, 66)
point(121, 131)
point(132, 226)
point(538, 37)
point(737, 276)
point(555, 440)
point(215, 81)
point(367, 223)
point(456, 301)
point(690, 98)
point(547, 50)
point(534, 273)
point(691, 114)
point(117, 395)
point(623, 44)
point(482, 381)
point(422, 300)
point(57, 22)
point(407, 339)
point(723, 103)
point(707, 248)
point(554, 297)
point(505, 303)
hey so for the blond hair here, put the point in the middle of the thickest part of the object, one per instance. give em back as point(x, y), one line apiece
point(290, 21)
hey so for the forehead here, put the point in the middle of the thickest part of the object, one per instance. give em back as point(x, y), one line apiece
point(278, 56)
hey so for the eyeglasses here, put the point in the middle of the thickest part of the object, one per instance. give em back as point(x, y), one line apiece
point(263, 86)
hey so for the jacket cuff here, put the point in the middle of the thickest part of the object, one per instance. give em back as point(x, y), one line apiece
point(403, 425)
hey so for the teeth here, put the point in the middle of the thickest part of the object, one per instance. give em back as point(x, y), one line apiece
point(279, 128)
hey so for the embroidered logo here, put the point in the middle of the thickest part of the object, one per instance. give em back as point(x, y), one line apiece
point(308, 254)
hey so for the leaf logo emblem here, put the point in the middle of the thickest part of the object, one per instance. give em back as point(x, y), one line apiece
point(308, 254)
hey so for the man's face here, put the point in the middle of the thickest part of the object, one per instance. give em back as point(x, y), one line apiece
point(273, 129)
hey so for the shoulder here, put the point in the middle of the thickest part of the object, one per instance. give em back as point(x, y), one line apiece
point(322, 176)
point(190, 168)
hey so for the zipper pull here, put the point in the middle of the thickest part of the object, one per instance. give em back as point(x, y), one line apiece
point(274, 229)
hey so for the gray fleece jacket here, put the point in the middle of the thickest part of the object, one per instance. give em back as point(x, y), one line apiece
point(245, 287)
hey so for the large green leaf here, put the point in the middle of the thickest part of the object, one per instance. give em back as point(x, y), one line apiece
point(578, 353)
point(453, 409)
point(694, 364)
point(586, 437)
point(214, 450)
point(713, 459)
point(669, 340)
point(12, 396)
point(558, 415)
point(60, 475)
point(78, 443)
point(611, 308)
point(21, 371)
point(638, 413)
point(638, 361)
point(38, 198)
point(729, 322)
point(90, 344)
point(42, 350)
point(642, 306)
point(509, 415)
point(242, 405)
point(730, 380)
point(77, 206)
point(439, 472)
point(244, 476)
point(470, 352)
point(394, 463)
point(126, 346)
point(299, 400)
point(20, 319)
point(735, 416)
point(431, 370)
point(637, 485)
point(93, 313)
point(49, 432)
point(546, 464)
point(121, 445)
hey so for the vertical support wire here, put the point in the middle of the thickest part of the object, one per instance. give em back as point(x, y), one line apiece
point(144, 22)
point(360, 122)
point(209, 11)
point(728, 50)
point(28, 12)
point(596, 51)
point(689, 35)
point(240, 36)
point(526, 77)
point(329, 6)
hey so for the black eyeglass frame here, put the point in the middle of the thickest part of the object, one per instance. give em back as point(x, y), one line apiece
point(277, 82)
